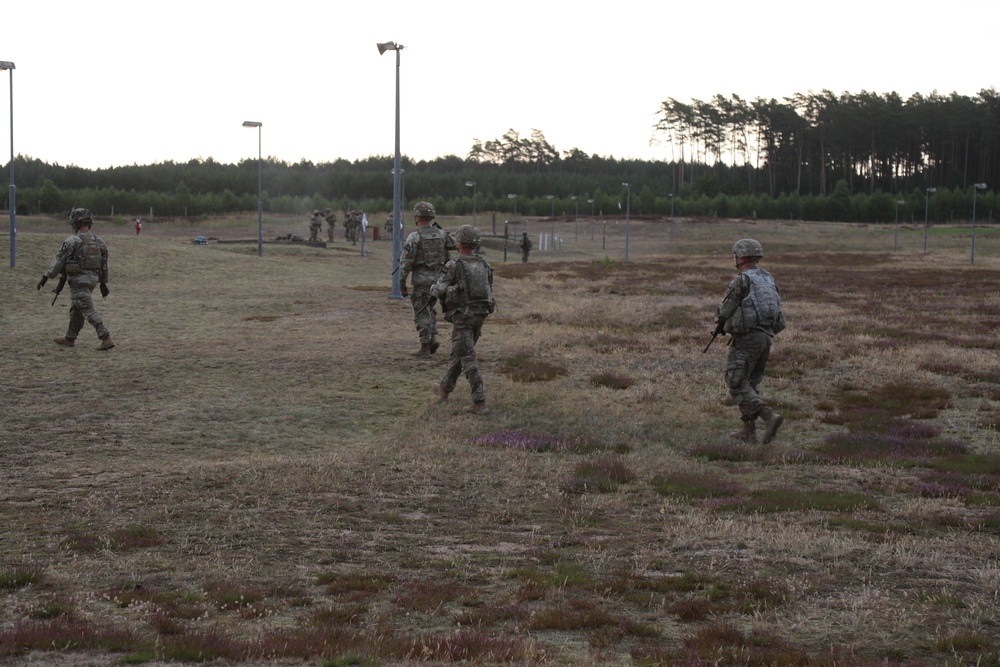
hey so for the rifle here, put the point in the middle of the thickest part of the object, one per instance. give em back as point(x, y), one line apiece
point(59, 287)
point(715, 333)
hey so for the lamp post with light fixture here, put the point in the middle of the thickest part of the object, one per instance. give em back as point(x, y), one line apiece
point(628, 208)
point(927, 199)
point(9, 66)
point(397, 235)
point(975, 188)
point(260, 205)
point(472, 184)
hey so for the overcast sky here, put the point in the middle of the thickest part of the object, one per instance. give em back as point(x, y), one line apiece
point(119, 82)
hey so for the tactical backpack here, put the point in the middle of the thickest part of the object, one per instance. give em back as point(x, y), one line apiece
point(761, 307)
point(472, 286)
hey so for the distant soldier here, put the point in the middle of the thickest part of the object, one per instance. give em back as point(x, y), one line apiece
point(331, 222)
point(465, 288)
point(388, 228)
point(83, 261)
point(751, 313)
point(315, 225)
point(138, 226)
point(352, 223)
point(525, 245)
point(425, 252)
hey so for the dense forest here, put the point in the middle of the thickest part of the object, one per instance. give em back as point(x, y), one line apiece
point(861, 157)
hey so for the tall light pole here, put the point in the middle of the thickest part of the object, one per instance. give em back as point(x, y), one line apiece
point(472, 184)
point(9, 66)
point(260, 205)
point(576, 219)
point(976, 187)
point(591, 202)
point(397, 236)
point(671, 195)
point(927, 199)
point(628, 208)
point(552, 220)
point(514, 197)
point(895, 235)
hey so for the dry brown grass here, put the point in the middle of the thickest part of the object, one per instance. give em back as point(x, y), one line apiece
point(260, 473)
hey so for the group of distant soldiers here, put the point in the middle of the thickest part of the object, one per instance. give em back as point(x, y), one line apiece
point(352, 224)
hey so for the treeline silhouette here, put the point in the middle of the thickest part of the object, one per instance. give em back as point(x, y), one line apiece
point(818, 156)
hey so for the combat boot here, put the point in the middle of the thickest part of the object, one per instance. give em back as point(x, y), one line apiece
point(434, 344)
point(65, 342)
point(440, 392)
point(106, 343)
point(424, 351)
point(772, 422)
point(748, 435)
point(479, 408)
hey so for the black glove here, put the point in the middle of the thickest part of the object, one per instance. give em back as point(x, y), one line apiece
point(41, 283)
point(719, 329)
point(105, 291)
point(403, 291)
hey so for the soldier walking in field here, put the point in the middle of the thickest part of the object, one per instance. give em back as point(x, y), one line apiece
point(331, 222)
point(83, 262)
point(525, 245)
point(465, 289)
point(751, 313)
point(425, 252)
point(315, 224)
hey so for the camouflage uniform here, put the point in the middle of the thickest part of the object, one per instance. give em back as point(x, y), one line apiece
point(83, 259)
point(751, 312)
point(425, 252)
point(331, 222)
point(525, 245)
point(388, 228)
point(352, 222)
point(465, 288)
point(315, 225)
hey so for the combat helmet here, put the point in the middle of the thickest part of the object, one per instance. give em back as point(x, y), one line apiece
point(748, 248)
point(424, 209)
point(468, 236)
point(79, 216)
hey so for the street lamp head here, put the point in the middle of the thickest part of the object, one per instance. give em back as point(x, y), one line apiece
point(900, 202)
point(931, 190)
point(470, 184)
point(252, 123)
point(511, 196)
point(980, 186)
point(388, 46)
point(627, 185)
point(6, 64)
point(590, 201)
point(550, 196)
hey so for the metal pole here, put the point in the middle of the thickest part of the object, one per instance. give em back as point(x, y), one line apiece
point(895, 233)
point(671, 217)
point(397, 238)
point(927, 199)
point(628, 206)
point(260, 198)
point(13, 190)
point(972, 255)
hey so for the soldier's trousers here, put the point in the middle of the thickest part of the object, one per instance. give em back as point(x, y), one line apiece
point(424, 315)
point(82, 310)
point(465, 332)
point(745, 366)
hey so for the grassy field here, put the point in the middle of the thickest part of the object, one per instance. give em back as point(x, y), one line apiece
point(259, 472)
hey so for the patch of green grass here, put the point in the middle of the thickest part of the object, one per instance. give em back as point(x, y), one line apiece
point(611, 380)
point(18, 578)
point(694, 486)
point(789, 500)
point(603, 474)
point(522, 367)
